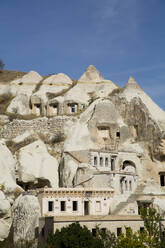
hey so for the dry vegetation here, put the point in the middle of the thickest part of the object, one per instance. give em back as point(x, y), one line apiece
point(7, 76)
point(62, 92)
point(13, 146)
point(5, 100)
point(116, 91)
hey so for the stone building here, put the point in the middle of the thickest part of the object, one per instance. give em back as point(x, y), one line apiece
point(91, 151)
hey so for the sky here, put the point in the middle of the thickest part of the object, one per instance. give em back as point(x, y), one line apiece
point(119, 37)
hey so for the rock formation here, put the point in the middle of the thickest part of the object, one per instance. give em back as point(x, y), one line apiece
point(26, 215)
point(56, 132)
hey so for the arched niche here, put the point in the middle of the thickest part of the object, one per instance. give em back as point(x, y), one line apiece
point(129, 166)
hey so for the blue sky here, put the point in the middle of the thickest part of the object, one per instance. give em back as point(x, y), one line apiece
point(120, 37)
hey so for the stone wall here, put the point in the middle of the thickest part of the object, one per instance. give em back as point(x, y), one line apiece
point(54, 126)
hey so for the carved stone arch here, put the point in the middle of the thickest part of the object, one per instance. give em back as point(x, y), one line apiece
point(71, 107)
point(129, 166)
point(53, 108)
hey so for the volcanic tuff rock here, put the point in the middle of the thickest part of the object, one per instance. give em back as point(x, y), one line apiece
point(26, 215)
point(55, 131)
point(5, 215)
point(91, 75)
point(7, 169)
point(37, 166)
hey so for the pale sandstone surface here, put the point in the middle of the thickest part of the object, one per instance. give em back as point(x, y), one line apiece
point(26, 216)
point(31, 77)
point(4, 119)
point(132, 90)
point(4, 229)
point(54, 84)
point(85, 92)
point(19, 105)
point(4, 204)
point(5, 214)
point(35, 163)
point(91, 85)
point(25, 85)
point(91, 75)
point(7, 169)
point(59, 78)
point(83, 134)
point(124, 123)
point(21, 89)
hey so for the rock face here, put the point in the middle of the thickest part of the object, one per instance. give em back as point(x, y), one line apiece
point(133, 90)
point(5, 215)
point(91, 75)
point(59, 78)
point(55, 132)
point(7, 169)
point(37, 166)
point(19, 105)
point(26, 216)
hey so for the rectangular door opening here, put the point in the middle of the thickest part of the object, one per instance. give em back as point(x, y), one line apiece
point(86, 207)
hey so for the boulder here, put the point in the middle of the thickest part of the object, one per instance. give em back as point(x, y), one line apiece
point(37, 166)
point(19, 105)
point(4, 204)
point(7, 169)
point(5, 216)
point(4, 229)
point(26, 218)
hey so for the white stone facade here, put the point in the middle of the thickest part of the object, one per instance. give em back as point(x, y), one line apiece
point(74, 201)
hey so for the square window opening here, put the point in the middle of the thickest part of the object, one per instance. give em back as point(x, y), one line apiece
point(118, 134)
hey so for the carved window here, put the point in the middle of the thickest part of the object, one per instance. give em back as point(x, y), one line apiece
point(43, 232)
point(73, 107)
point(103, 230)
point(112, 164)
point(63, 206)
point(98, 206)
point(119, 230)
point(162, 180)
point(130, 185)
point(50, 206)
point(104, 132)
point(55, 108)
point(101, 161)
point(118, 134)
point(122, 185)
point(74, 206)
point(95, 160)
point(143, 204)
point(126, 185)
point(94, 232)
point(106, 161)
point(38, 106)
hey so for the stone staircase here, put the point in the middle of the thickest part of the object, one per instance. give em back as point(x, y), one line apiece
point(132, 198)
